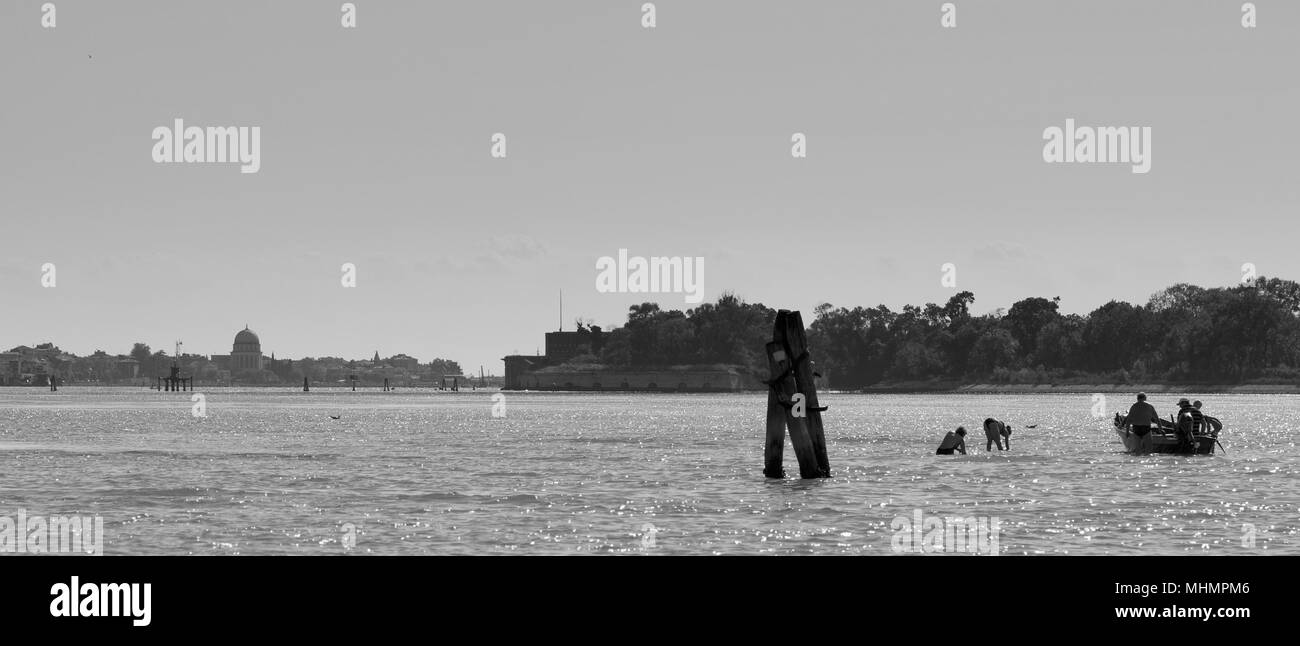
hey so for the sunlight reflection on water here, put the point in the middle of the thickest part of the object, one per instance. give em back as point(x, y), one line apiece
point(422, 472)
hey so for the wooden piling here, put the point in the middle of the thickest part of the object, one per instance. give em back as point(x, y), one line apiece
point(796, 343)
point(784, 389)
point(773, 451)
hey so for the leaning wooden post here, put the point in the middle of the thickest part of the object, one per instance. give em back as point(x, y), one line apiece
point(773, 451)
point(796, 343)
point(784, 384)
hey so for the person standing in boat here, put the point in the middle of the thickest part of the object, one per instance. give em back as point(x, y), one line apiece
point(954, 440)
point(1141, 415)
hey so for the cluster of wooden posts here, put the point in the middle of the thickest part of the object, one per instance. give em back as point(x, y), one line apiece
point(174, 382)
point(792, 402)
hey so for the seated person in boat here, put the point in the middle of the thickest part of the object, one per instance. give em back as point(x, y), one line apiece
point(954, 440)
point(994, 431)
point(1141, 415)
point(1215, 424)
point(1191, 422)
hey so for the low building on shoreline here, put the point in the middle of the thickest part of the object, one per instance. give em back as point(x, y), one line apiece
point(556, 371)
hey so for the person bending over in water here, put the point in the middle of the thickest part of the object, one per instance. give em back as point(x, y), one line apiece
point(994, 431)
point(954, 440)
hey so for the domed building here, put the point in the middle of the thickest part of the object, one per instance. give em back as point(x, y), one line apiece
point(247, 352)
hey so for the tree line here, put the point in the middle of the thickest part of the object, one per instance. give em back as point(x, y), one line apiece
point(1182, 334)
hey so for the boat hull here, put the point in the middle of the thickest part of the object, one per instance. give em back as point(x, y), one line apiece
point(1167, 440)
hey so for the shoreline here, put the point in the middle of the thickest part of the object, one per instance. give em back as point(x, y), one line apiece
point(1106, 389)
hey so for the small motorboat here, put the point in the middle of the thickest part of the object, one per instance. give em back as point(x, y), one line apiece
point(1168, 438)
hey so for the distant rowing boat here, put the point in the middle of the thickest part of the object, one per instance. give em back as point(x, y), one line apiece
point(1166, 438)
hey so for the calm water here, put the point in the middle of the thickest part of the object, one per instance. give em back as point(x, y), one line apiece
point(433, 473)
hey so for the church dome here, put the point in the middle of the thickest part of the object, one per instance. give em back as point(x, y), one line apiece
point(247, 341)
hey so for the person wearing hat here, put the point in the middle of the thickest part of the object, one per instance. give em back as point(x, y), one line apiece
point(954, 440)
point(1141, 415)
point(1190, 420)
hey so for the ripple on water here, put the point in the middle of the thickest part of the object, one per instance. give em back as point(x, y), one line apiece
point(433, 473)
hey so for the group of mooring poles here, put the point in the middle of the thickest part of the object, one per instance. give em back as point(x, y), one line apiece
point(174, 382)
point(792, 402)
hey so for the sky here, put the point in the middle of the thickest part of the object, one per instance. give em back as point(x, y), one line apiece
point(924, 147)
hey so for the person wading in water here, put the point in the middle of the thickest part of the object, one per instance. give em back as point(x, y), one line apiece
point(994, 431)
point(954, 440)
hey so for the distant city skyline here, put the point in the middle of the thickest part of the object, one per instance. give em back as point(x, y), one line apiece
point(924, 147)
point(170, 350)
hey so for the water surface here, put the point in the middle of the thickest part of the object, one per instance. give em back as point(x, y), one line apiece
point(422, 472)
